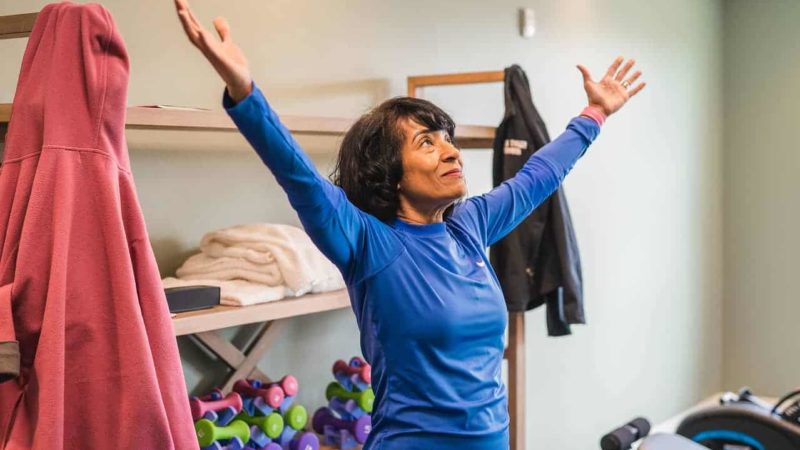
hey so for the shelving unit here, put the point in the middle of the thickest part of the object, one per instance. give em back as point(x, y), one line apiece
point(200, 129)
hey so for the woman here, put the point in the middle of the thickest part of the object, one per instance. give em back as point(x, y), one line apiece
point(428, 305)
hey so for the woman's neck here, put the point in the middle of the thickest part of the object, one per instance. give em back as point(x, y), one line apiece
point(420, 216)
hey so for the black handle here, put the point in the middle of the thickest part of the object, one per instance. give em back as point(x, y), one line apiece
point(623, 437)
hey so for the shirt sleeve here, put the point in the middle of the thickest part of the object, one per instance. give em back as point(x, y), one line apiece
point(339, 229)
point(493, 215)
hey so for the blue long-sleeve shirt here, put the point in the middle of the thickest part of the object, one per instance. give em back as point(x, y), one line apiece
point(428, 304)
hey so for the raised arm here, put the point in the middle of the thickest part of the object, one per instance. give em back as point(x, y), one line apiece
point(336, 226)
point(498, 212)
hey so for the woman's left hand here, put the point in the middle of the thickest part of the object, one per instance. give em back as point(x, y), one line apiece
point(613, 90)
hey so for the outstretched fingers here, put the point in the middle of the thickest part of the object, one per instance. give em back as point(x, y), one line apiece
point(223, 29)
point(186, 21)
point(587, 77)
point(636, 90)
point(627, 67)
point(634, 77)
point(614, 67)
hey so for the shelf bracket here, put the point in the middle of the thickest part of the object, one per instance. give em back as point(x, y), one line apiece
point(244, 364)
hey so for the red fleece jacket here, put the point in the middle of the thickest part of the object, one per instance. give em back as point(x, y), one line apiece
point(83, 317)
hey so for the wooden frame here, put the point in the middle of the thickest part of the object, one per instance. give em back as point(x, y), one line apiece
point(416, 82)
point(515, 351)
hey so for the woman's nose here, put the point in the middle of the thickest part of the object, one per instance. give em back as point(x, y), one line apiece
point(450, 152)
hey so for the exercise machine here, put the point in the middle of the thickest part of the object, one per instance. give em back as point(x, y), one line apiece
point(742, 421)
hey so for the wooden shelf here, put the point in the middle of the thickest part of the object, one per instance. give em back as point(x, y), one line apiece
point(17, 26)
point(149, 128)
point(230, 316)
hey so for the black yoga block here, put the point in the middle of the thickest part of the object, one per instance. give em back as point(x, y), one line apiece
point(191, 298)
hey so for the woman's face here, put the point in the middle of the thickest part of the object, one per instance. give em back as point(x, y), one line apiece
point(432, 176)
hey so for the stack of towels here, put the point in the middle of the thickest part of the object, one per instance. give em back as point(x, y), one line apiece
point(257, 263)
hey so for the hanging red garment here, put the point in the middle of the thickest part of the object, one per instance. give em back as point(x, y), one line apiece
point(80, 291)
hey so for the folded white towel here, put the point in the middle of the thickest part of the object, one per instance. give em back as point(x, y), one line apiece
point(202, 266)
point(235, 292)
point(303, 267)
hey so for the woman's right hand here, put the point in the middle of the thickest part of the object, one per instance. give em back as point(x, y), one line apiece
point(226, 57)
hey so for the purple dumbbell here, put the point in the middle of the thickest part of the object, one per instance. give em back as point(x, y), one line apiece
point(304, 441)
point(360, 427)
point(341, 439)
point(200, 407)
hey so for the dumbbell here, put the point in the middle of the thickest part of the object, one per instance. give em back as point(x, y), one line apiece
point(293, 440)
point(357, 366)
point(271, 425)
point(296, 417)
point(208, 432)
point(259, 440)
point(215, 394)
point(288, 383)
point(360, 427)
point(364, 398)
point(272, 395)
point(201, 407)
point(354, 376)
point(341, 439)
point(287, 403)
point(233, 444)
point(347, 409)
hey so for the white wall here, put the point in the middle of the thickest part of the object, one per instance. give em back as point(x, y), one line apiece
point(646, 200)
point(762, 194)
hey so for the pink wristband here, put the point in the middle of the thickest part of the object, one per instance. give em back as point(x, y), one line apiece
point(595, 114)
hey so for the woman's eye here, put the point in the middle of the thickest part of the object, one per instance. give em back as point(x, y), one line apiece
point(427, 141)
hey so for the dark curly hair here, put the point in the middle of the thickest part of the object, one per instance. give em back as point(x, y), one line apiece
point(370, 163)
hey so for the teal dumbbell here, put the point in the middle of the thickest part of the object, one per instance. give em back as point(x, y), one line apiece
point(364, 399)
point(208, 433)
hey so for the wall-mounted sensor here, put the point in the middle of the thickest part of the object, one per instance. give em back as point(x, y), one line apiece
point(527, 23)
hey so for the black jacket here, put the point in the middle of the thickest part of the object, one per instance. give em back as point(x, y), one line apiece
point(537, 263)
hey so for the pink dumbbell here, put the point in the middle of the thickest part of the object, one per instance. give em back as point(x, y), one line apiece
point(357, 366)
point(272, 395)
point(215, 394)
point(288, 383)
point(200, 407)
